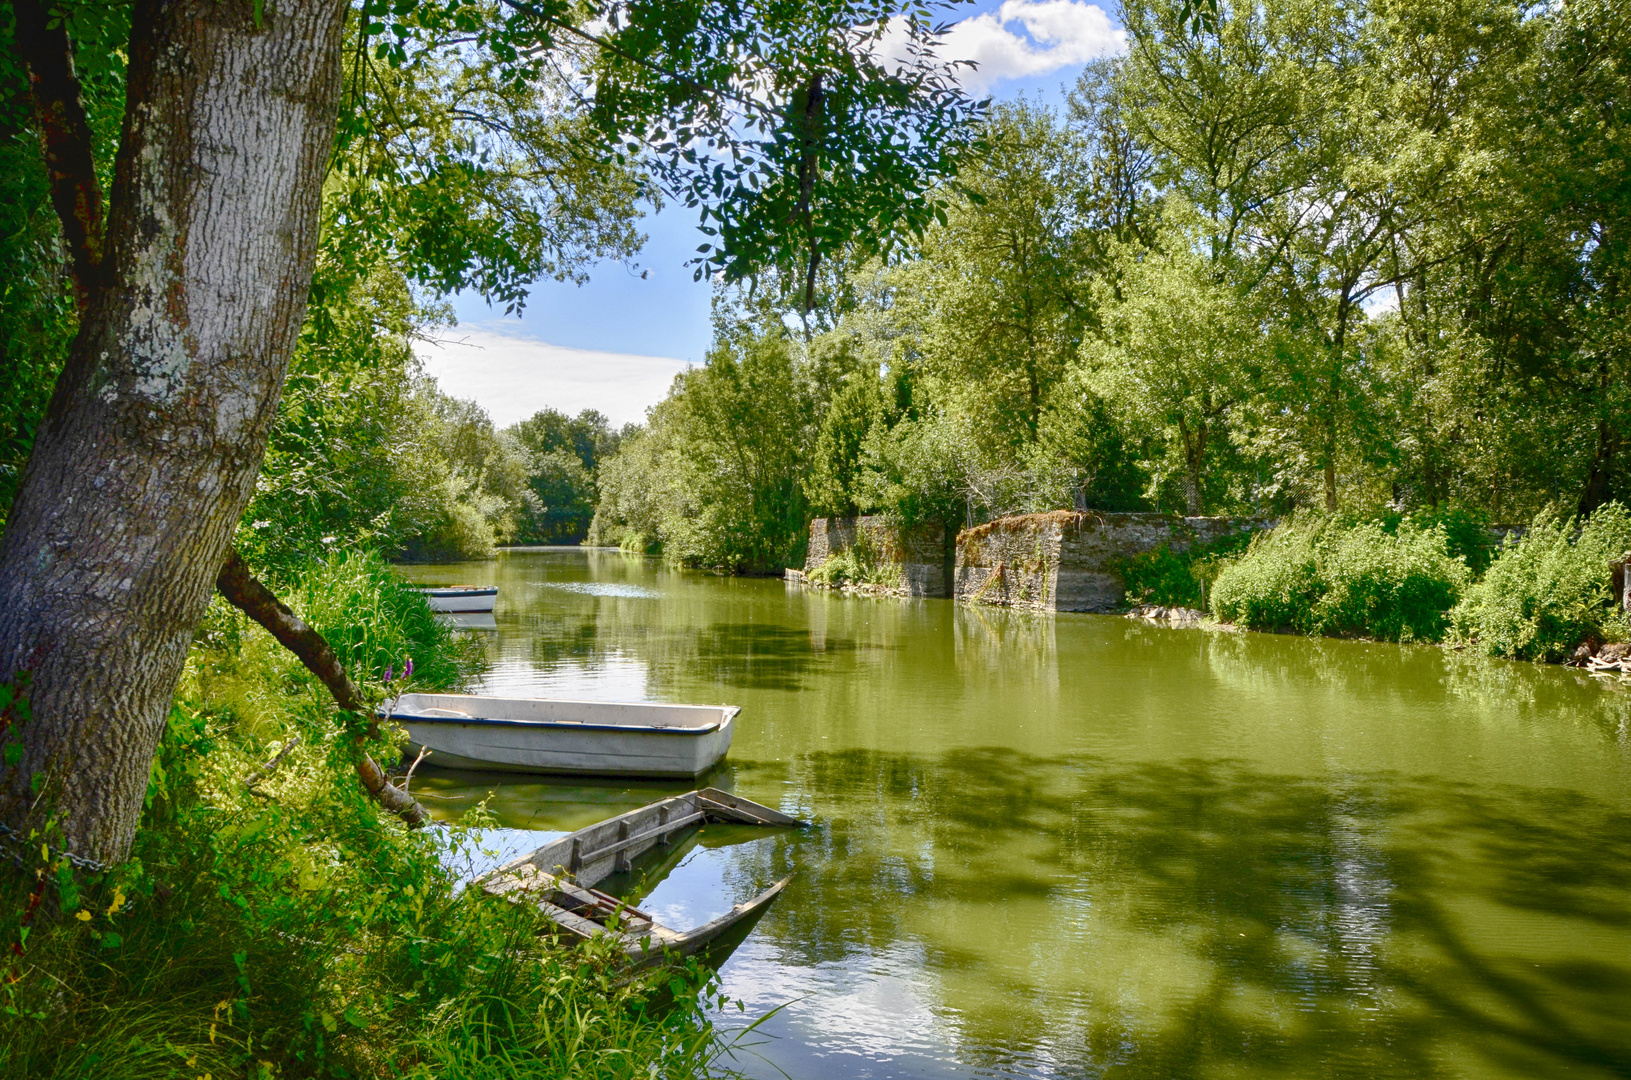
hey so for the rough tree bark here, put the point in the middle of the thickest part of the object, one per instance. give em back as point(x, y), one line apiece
point(154, 435)
point(246, 594)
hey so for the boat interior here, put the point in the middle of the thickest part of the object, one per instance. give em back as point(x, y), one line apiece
point(628, 854)
point(558, 711)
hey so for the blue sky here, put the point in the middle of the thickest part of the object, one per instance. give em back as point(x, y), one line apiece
point(615, 343)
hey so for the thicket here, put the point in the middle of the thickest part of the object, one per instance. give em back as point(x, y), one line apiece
point(1326, 575)
point(1546, 590)
point(272, 922)
point(1178, 578)
point(1550, 590)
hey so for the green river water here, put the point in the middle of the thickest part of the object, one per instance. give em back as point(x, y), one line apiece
point(1082, 846)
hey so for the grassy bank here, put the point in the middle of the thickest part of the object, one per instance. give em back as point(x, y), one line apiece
point(284, 927)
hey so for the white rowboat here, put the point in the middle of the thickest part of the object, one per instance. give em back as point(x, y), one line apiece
point(560, 878)
point(547, 735)
point(461, 598)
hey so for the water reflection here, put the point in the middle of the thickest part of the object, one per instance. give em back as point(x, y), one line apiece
point(1083, 846)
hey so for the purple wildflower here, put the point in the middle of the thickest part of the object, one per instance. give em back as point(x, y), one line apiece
point(407, 668)
point(387, 672)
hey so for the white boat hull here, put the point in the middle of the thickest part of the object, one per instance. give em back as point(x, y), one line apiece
point(461, 599)
point(589, 738)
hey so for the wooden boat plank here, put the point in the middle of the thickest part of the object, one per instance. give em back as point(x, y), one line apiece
point(577, 924)
point(649, 838)
point(729, 929)
point(555, 857)
point(726, 804)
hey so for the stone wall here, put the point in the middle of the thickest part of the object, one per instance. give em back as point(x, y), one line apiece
point(1063, 561)
point(919, 552)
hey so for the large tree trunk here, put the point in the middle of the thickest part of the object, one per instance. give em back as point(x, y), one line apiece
point(155, 433)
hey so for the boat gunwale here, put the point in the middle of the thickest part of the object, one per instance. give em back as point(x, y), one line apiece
point(691, 731)
point(565, 725)
point(710, 801)
point(729, 714)
point(441, 592)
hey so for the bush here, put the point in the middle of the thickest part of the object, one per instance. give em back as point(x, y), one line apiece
point(1335, 576)
point(1178, 578)
point(294, 929)
point(1549, 591)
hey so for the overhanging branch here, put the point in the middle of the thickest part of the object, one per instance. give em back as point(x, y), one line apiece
point(65, 133)
point(249, 596)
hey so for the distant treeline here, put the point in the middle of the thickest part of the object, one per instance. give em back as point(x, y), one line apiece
point(400, 467)
point(1368, 257)
point(405, 469)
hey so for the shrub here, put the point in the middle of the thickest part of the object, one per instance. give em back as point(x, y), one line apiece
point(634, 543)
point(1396, 586)
point(1550, 590)
point(863, 563)
point(1178, 578)
point(1276, 583)
point(1336, 576)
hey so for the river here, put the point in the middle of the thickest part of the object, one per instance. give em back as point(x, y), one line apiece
point(1082, 846)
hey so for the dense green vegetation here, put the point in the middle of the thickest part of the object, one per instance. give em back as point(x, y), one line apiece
point(1288, 261)
point(1547, 590)
point(1295, 259)
point(1322, 575)
point(271, 923)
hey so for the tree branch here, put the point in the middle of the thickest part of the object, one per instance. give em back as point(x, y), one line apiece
point(65, 133)
point(249, 596)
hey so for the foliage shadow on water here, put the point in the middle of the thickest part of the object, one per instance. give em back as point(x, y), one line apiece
point(1187, 917)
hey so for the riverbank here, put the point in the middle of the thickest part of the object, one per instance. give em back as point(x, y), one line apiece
point(1553, 590)
point(272, 921)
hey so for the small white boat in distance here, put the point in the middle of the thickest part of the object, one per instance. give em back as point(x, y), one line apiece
point(547, 735)
point(461, 598)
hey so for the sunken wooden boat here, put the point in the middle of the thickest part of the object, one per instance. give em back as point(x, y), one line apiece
point(553, 735)
point(460, 599)
point(559, 879)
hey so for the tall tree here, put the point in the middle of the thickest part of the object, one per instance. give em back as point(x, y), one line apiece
point(996, 294)
point(781, 123)
point(1179, 351)
point(194, 296)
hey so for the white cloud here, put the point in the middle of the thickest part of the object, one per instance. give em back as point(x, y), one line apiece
point(513, 377)
point(1030, 37)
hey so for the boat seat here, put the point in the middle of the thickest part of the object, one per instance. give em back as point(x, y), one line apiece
point(454, 714)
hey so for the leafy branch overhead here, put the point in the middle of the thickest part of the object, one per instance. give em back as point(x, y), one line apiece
point(795, 130)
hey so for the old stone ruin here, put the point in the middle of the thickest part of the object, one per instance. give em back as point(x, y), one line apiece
point(1059, 561)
